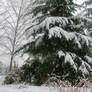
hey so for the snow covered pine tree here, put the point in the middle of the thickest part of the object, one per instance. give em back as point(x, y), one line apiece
point(58, 41)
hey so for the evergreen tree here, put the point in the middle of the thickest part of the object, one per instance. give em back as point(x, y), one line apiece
point(58, 44)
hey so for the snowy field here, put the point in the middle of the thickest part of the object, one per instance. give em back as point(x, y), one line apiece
point(23, 88)
point(27, 88)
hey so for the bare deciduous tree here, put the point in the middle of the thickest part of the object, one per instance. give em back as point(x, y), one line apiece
point(13, 24)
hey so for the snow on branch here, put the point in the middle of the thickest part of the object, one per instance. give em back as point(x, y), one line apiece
point(55, 27)
point(83, 67)
point(61, 53)
point(48, 23)
point(79, 39)
point(89, 59)
point(69, 59)
point(59, 32)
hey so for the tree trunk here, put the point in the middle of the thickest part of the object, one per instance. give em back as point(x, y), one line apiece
point(11, 62)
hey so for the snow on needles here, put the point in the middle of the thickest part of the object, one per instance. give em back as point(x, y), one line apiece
point(69, 59)
point(54, 26)
point(61, 53)
point(58, 31)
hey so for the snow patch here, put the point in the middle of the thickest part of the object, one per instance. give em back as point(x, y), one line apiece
point(61, 53)
point(69, 59)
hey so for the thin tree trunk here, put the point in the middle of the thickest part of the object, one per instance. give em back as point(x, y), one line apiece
point(15, 36)
point(11, 62)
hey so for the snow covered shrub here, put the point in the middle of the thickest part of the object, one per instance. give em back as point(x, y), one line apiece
point(14, 77)
point(9, 79)
point(59, 41)
point(55, 81)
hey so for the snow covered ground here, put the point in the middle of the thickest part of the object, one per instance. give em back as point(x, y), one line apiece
point(22, 88)
point(27, 88)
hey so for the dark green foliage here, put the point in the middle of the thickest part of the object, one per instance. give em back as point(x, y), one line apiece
point(46, 60)
point(40, 72)
point(55, 8)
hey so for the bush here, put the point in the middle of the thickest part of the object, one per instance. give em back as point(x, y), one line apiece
point(13, 78)
point(9, 79)
point(38, 73)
